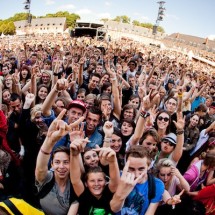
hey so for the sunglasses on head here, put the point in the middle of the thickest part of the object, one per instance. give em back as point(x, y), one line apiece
point(166, 119)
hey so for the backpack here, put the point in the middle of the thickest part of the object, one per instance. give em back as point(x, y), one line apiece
point(151, 187)
point(48, 187)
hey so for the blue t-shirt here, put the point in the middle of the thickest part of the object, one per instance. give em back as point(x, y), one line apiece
point(137, 202)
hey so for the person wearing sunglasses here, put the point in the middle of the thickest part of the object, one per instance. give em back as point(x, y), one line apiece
point(162, 123)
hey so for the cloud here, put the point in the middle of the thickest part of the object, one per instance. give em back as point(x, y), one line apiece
point(144, 18)
point(66, 7)
point(49, 2)
point(104, 15)
point(107, 3)
point(211, 37)
point(83, 11)
point(171, 16)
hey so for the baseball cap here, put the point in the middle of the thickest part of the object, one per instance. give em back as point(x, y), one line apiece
point(171, 137)
point(77, 103)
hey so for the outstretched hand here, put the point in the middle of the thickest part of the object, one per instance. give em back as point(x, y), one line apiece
point(59, 128)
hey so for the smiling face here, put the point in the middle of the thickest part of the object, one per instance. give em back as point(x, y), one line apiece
point(128, 113)
point(96, 183)
point(163, 121)
point(126, 129)
point(60, 164)
point(135, 102)
point(6, 96)
point(42, 93)
point(149, 143)
point(194, 120)
point(91, 158)
point(116, 143)
point(92, 121)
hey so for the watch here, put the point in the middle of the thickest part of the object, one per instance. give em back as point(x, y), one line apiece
point(144, 114)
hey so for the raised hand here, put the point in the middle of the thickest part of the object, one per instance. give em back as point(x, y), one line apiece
point(180, 121)
point(77, 132)
point(108, 129)
point(77, 146)
point(59, 128)
point(106, 153)
point(62, 84)
point(127, 181)
point(29, 98)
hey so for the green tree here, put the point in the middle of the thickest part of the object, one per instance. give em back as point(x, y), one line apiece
point(123, 19)
point(135, 22)
point(71, 18)
point(104, 19)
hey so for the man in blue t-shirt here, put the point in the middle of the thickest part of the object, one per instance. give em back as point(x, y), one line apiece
point(131, 196)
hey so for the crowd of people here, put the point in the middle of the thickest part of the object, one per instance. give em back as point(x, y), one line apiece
point(105, 127)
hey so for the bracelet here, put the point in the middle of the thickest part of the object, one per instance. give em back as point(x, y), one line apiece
point(144, 114)
point(168, 200)
point(107, 139)
point(179, 132)
point(113, 79)
point(44, 152)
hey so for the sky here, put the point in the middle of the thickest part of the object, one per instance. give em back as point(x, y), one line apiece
point(192, 17)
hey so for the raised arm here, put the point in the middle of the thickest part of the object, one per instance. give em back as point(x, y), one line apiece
point(81, 69)
point(61, 84)
point(126, 185)
point(76, 147)
point(177, 153)
point(109, 155)
point(56, 131)
point(115, 90)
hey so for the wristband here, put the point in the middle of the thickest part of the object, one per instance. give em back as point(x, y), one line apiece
point(44, 152)
point(108, 140)
point(55, 74)
point(179, 132)
point(144, 114)
point(113, 79)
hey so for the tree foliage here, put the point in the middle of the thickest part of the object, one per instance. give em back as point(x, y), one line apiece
point(123, 19)
point(147, 25)
point(71, 18)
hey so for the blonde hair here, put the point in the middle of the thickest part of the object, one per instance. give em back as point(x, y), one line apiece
point(164, 162)
point(37, 108)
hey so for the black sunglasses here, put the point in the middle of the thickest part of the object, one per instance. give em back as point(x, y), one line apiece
point(166, 119)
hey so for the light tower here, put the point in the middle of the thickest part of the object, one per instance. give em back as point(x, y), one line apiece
point(160, 16)
point(27, 7)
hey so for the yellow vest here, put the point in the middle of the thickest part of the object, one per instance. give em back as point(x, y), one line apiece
point(23, 207)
